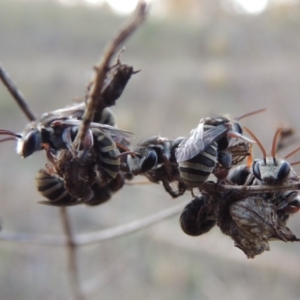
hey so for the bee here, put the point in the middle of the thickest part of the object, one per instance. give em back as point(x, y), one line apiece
point(52, 187)
point(208, 145)
point(154, 158)
point(198, 217)
point(97, 161)
point(276, 171)
point(50, 133)
point(253, 220)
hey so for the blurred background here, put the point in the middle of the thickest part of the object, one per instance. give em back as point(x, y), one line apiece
point(197, 58)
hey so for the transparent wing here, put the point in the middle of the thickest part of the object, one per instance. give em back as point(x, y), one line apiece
point(198, 140)
point(110, 130)
point(74, 111)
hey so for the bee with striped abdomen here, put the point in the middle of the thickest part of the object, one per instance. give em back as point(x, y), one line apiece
point(207, 146)
point(52, 187)
point(96, 161)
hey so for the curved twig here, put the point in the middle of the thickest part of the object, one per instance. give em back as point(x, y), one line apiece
point(103, 66)
point(94, 237)
point(16, 94)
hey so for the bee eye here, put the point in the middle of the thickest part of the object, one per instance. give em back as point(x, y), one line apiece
point(238, 128)
point(149, 162)
point(256, 170)
point(284, 171)
point(30, 144)
point(223, 143)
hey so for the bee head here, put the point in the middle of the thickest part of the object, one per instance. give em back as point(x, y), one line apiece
point(270, 169)
point(29, 143)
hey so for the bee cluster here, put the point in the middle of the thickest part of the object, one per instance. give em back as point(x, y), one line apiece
point(251, 202)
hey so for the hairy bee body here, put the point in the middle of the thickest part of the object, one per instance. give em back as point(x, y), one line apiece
point(106, 149)
point(81, 179)
point(52, 187)
point(197, 218)
point(200, 153)
point(155, 158)
point(197, 169)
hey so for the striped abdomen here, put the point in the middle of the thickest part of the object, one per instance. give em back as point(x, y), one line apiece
point(190, 222)
point(52, 187)
point(108, 154)
point(105, 117)
point(197, 169)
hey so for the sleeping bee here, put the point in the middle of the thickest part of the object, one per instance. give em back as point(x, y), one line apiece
point(154, 158)
point(97, 161)
point(52, 187)
point(210, 149)
point(276, 171)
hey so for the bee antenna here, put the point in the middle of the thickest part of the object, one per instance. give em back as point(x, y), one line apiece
point(250, 114)
point(13, 135)
point(274, 144)
point(7, 139)
point(295, 163)
point(292, 152)
point(258, 143)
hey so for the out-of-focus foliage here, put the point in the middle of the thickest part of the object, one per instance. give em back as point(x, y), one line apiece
point(190, 69)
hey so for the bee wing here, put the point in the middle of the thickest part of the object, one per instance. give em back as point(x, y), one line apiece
point(110, 130)
point(198, 140)
point(74, 111)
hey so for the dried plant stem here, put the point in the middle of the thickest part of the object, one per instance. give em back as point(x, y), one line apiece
point(72, 255)
point(211, 187)
point(95, 92)
point(94, 237)
point(17, 95)
point(103, 66)
point(71, 246)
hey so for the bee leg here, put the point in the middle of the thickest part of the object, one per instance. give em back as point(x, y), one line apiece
point(192, 192)
point(249, 180)
point(87, 142)
point(167, 165)
point(174, 194)
point(66, 136)
point(291, 203)
point(50, 154)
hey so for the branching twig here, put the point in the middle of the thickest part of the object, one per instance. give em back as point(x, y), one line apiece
point(103, 66)
point(73, 273)
point(17, 95)
point(95, 237)
point(93, 103)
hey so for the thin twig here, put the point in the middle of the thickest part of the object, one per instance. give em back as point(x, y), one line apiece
point(17, 95)
point(95, 237)
point(212, 187)
point(72, 255)
point(101, 70)
point(98, 236)
point(103, 66)
point(73, 273)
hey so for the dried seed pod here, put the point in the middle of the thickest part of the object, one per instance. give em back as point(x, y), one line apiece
point(252, 222)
